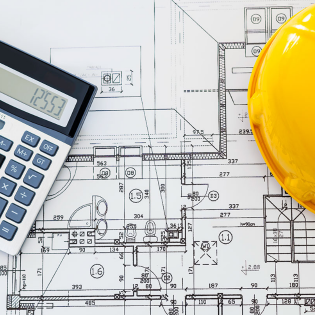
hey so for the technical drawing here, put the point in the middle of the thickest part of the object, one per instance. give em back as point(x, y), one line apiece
point(164, 204)
point(214, 304)
point(114, 79)
point(260, 24)
point(288, 230)
point(205, 253)
point(300, 303)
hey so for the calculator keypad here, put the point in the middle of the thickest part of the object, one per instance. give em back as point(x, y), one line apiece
point(23, 153)
point(14, 169)
point(24, 196)
point(5, 144)
point(12, 212)
point(30, 139)
point(6, 187)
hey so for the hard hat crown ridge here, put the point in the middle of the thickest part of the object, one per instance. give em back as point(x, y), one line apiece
point(281, 105)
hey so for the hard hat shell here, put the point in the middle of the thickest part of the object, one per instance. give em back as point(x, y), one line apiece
point(281, 104)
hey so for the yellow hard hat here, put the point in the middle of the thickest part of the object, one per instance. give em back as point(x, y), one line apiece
point(281, 104)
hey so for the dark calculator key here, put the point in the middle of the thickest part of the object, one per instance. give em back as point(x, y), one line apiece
point(23, 153)
point(48, 148)
point(3, 204)
point(24, 196)
point(7, 230)
point(5, 144)
point(41, 162)
point(15, 213)
point(2, 158)
point(14, 169)
point(33, 178)
point(30, 139)
point(6, 186)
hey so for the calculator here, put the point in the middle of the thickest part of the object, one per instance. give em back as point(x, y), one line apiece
point(42, 109)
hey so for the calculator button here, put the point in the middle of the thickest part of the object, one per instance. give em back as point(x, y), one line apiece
point(23, 153)
point(6, 187)
point(30, 139)
point(48, 147)
point(33, 178)
point(2, 158)
point(3, 204)
point(14, 169)
point(15, 213)
point(24, 195)
point(41, 162)
point(5, 144)
point(7, 230)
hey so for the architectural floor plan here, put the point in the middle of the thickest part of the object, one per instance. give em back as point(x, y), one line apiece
point(164, 205)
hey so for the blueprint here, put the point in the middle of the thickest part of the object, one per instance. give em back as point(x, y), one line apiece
point(164, 205)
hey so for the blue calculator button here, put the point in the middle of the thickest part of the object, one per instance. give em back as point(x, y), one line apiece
point(7, 230)
point(3, 204)
point(23, 153)
point(5, 144)
point(15, 213)
point(33, 178)
point(24, 196)
point(6, 187)
point(14, 169)
point(30, 139)
point(41, 162)
point(48, 148)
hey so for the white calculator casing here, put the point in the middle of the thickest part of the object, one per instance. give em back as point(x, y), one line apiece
point(23, 71)
point(14, 130)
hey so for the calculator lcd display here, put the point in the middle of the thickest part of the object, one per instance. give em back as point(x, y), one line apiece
point(31, 94)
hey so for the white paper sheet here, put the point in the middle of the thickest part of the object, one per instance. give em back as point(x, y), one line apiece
point(164, 205)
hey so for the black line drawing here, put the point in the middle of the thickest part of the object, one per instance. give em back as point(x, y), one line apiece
point(158, 209)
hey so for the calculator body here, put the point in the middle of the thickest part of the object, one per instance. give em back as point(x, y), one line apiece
point(42, 109)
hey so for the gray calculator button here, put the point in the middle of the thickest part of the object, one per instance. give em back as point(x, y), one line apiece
point(24, 196)
point(3, 204)
point(14, 169)
point(48, 148)
point(15, 213)
point(23, 153)
point(7, 230)
point(33, 178)
point(5, 144)
point(6, 187)
point(30, 139)
point(41, 162)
